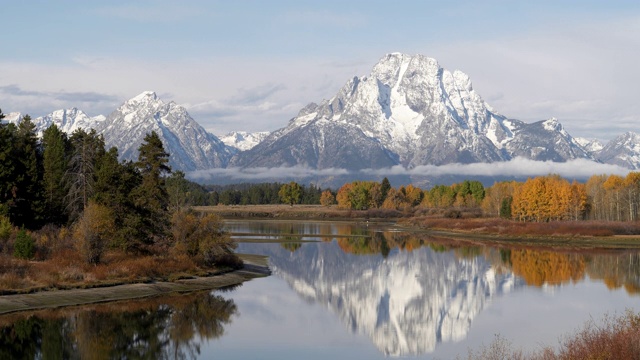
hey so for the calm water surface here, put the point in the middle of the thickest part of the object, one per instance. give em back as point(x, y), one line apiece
point(347, 290)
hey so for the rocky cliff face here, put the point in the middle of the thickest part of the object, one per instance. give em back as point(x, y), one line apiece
point(623, 150)
point(408, 111)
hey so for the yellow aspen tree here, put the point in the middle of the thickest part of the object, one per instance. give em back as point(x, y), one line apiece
point(613, 185)
point(596, 193)
point(579, 201)
point(632, 190)
point(343, 196)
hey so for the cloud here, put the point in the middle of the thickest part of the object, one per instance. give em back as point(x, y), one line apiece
point(265, 173)
point(256, 94)
point(54, 99)
point(516, 168)
point(580, 73)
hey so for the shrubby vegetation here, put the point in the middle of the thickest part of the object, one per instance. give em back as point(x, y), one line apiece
point(614, 338)
point(68, 197)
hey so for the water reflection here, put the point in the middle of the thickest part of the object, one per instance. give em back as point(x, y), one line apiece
point(408, 292)
point(406, 303)
point(160, 328)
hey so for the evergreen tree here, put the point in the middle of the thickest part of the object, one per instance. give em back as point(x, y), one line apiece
point(385, 186)
point(86, 149)
point(27, 207)
point(54, 158)
point(7, 166)
point(114, 185)
point(151, 197)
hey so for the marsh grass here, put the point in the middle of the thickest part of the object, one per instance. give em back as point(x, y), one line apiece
point(517, 228)
point(613, 338)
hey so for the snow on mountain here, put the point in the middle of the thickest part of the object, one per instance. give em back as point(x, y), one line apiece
point(544, 141)
point(407, 111)
point(189, 145)
point(243, 140)
point(13, 117)
point(68, 121)
point(623, 150)
point(593, 146)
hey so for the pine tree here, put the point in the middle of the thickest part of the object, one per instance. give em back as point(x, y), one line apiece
point(113, 187)
point(7, 166)
point(27, 204)
point(385, 185)
point(87, 148)
point(54, 158)
point(151, 197)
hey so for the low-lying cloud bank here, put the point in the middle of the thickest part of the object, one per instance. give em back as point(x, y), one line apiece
point(518, 167)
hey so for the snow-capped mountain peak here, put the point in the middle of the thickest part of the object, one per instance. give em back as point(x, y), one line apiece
point(623, 150)
point(593, 146)
point(243, 140)
point(145, 96)
point(189, 145)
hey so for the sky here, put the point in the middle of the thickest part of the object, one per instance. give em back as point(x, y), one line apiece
point(252, 65)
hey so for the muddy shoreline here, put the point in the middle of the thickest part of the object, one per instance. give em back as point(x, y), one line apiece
point(255, 267)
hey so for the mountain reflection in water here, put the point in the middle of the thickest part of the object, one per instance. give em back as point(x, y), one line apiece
point(159, 328)
point(409, 292)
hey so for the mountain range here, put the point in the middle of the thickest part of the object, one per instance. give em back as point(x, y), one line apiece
point(408, 111)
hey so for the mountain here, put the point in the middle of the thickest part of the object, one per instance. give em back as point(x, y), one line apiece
point(592, 146)
point(544, 141)
point(12, 117)
point(407, 111)
point(242, 140)
point(190, 146)
point(623, 150)
point(67, 120)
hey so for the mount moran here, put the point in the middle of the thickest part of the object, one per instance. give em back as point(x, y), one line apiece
point(408, 111)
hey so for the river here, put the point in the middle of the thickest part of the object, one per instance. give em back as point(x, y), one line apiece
point(350, 290)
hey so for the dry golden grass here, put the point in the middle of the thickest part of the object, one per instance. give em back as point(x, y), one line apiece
point(65, 269)
point(614, 338)
point(518, 228)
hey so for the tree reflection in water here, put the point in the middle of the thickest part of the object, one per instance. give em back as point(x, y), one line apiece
point(536, 266)
point(160, 328)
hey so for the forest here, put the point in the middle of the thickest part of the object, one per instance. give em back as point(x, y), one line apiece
point(69, 200)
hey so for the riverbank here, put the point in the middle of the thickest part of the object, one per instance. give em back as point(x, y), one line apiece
point(296, 212)
point(255, 266)
point(560, 234)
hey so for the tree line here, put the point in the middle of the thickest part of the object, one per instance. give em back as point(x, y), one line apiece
point(538, 199)
point(260, 194)
point(74, 182)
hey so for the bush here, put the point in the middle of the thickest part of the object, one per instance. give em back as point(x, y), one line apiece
point(24, 247)
point(5, 228)
point(93, 231)
point(202, 237)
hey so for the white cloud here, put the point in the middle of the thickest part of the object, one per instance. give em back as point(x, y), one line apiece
point(584, 74)
point(264, 173)
point(516, 168)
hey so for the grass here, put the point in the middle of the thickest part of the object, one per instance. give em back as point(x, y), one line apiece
point(613, 338)
point(296, 212)
point(519, 228)
point(66, 270)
